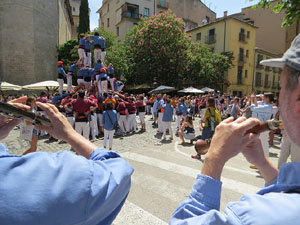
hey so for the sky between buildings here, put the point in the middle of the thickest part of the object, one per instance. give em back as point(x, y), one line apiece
point(218, 6)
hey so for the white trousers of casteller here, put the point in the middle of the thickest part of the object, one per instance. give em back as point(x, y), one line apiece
point(97, 54)
point(103, 86)
point(61, 85)
point(83, 129)
point(81, 54)
point(103, 54)
point(132, 122)
point(88, 59)
point(69, 82)
point(123, 123)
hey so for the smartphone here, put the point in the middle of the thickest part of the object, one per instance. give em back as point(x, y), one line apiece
point(14, 112)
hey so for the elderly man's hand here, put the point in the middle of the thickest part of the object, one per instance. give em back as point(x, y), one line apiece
point(60, 127)
point(229, 140)
point(6, 125)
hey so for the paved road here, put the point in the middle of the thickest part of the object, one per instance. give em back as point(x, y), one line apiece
point(164, 174)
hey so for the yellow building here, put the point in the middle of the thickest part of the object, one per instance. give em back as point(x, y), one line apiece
point(266, 79)
point(229, 34)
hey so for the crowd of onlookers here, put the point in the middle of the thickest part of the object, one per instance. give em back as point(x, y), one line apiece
point(117, 114)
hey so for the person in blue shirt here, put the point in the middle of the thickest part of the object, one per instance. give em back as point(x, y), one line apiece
point(70, 76)
point(80, 74)
point(103, 81)
point(61, 188)
point(278, 202)
point(263, 112)
point(158, 113)
point(87, 77)
point(109, 121)
point(118, 85)
point(81, 47)
point(180, 112)
point(60, 76)
point(110, 74)
point(167, 119)
point(88, 53)
point(99, 47)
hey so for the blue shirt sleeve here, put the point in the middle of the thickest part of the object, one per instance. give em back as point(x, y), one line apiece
point(62, 188)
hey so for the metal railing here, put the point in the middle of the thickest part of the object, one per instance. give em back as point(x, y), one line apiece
point(128, 14)
point(210, 39)
point(258, 83)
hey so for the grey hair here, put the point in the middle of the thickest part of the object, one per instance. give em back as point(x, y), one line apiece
point(292, 79)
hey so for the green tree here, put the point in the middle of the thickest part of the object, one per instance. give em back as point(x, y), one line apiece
point(67, 52)
point(158, 46)
point(84, 17)
point(120, 56)
point(290, 7)
point(205, 68)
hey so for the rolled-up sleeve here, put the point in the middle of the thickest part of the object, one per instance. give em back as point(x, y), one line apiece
point(202, 204)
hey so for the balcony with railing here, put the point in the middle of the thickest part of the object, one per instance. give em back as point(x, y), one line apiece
point(210, 39)
point(131, 15)
point(242, 59)
point(164, 5)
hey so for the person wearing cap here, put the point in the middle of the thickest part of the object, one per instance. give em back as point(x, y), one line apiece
point(70, 76)
point(81, 47)
point(60, 76)
point(82, 107)
point(278, 202)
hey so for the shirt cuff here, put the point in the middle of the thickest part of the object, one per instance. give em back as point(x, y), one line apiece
point(271, 183)
point(103, 154)
point(208, 191)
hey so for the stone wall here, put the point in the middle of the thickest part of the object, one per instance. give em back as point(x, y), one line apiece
point(29, 34)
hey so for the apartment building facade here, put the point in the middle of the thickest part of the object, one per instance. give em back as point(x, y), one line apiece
point(75, 6)
point(119, 16)
point(229, 34)
point(266, 79)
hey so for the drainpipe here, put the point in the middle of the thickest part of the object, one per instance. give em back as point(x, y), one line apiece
point(224, 49)
point(254, 68)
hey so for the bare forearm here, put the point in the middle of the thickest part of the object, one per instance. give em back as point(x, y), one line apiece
point(81, 145)
point(268, 171)
point(212, 167)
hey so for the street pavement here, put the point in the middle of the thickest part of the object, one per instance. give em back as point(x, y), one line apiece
point(164, 173)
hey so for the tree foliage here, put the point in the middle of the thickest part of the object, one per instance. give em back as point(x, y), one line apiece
point(290, 7)
point(205, 68)
point(159, 49)
point(84, 17)
point(67, 52)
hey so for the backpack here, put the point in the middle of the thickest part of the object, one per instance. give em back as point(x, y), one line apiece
point(212, 123)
